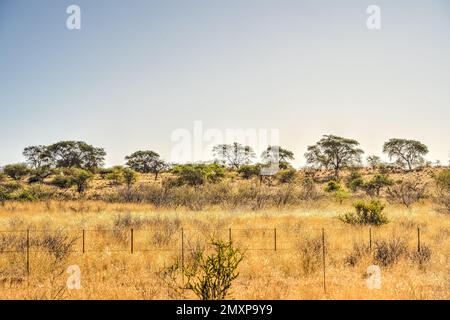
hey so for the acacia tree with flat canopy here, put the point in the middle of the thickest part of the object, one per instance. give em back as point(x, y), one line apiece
point(146, 162)
point(234, 155)
point(333, 152)
point(280, 155)
point(409, 153)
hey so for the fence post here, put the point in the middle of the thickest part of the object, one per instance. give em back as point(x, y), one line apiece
point(182, 255)
point(83, 240)
point(370, 239)
point(229, 234)
point(418, 239)
point(132, 241)
point(28, 252)
point(323, 261)
point(275, 238)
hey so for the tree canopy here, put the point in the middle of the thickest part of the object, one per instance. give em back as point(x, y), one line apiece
point(234, 155)
point(333, 152)
point(408, 153)
point(65, 154)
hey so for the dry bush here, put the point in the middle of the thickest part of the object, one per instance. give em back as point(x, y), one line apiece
point(422, 257)
point(389, 252)
point(406, 192)
point(310, 250)
point(360, 250)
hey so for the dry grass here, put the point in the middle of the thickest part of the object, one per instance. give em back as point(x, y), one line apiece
point(293, 271)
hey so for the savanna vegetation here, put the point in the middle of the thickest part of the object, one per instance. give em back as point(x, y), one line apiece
point(226, 228)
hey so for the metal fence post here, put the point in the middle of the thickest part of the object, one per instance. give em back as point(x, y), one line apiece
point(323, 261)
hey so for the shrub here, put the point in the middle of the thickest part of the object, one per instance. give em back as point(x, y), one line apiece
point(247, 171)
point(421, 257)
point(443, 190)
point(16, 171)
point(198, 174)
point(308, 189)
point(360, 250)
point(286, 175)
point(388, 252)
point(354, 181)
point(81, 179)
point(407, 192)
point(62, 181)
point(366, 213)
point(332, 186)
point(310, 251)
point(115, 176)
point(209, 276)
point(377, 183)
point(129, 176)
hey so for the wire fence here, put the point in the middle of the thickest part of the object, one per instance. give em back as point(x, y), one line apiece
point(180, 241)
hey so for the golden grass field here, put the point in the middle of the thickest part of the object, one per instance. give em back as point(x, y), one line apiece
point(293, 271)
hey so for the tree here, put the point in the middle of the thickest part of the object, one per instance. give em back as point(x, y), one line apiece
point(66, 154)
point(378, 182)
point(146, 162)
point(276, 154)
point(81, 178)
point(334, 152)
point(130, 176)
point(408, 153)
point(37, 156)
point(373, 161)
point(234, 155)
point(16, 171)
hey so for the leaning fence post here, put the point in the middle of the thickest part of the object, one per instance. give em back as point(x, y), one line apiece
point(28, 252)
point(132, 241)
point(323, 261)
point(418, 239)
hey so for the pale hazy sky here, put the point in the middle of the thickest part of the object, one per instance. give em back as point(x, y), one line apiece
point(138, 70)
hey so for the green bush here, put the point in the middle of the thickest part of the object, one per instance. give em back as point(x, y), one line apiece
point(377, 183)
point(81, 178)
point(16, 171)
point(198, 174)
point(209, 275)
point(366, 213)
point(354, 181)
point(247, 171)
point(286, 175)
point(61, 181)
point(332, 186)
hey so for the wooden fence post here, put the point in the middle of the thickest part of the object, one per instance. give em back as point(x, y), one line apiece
point(28, 252)
point(84, 239)
point(275, 238)
point(370, 239)
point(132, 241)
point(182, 255)
point(418, 239)
point(323, 261)
point(229, 234)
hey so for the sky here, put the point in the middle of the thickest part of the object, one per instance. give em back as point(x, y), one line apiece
point(139, 71)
